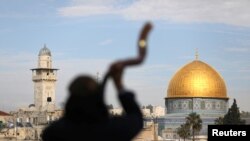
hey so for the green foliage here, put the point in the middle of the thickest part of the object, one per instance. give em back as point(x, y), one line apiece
point(233, 115)
point(1, 125)
point(193, 125)
point(194, 122)
point(219, 121)
point(245, 114)
point(184, 131)
point(150, 107)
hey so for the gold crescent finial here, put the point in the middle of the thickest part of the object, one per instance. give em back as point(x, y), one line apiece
point(196, 54)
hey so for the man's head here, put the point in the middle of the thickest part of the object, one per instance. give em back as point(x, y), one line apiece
point(85, 101)
point(83, 86)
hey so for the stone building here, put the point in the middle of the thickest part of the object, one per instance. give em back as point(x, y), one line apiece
point(5, 117)
point(148, 133)
point(158, 111)
point(116, 111)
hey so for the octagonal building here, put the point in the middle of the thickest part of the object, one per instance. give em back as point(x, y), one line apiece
point(196, 87)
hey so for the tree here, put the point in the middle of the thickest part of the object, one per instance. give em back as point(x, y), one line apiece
point(219, 121)
point(184, 131)
point(233, 115)
point(244, 114)
point(1, 125)
point(194, 122)
point(150, 107)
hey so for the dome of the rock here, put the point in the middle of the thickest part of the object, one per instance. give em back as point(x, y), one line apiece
point(197, 79)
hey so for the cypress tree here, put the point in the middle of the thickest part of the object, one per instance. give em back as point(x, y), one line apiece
point(233, 115)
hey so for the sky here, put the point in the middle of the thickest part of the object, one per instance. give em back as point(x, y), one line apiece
point(85, 36)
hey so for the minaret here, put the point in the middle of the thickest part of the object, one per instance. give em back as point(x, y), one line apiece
point(44, 78)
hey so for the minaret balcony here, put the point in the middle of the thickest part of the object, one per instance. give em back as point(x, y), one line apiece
point(44, 77)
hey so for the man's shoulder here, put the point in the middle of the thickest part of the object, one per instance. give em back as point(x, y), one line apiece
point(53, 128)
point(55, 125)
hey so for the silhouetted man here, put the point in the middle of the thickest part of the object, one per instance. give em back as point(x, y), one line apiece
point(86, 116)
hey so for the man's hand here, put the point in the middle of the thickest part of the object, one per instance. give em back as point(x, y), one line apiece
point(116, 72)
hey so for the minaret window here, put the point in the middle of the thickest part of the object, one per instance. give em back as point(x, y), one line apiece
point(49, 99)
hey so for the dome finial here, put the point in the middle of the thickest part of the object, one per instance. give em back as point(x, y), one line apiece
point(196, 54)
point(44, 51)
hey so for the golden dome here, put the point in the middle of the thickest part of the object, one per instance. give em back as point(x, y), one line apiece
point(197, 79)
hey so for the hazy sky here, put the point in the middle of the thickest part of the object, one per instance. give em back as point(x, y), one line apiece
point(84, 36)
